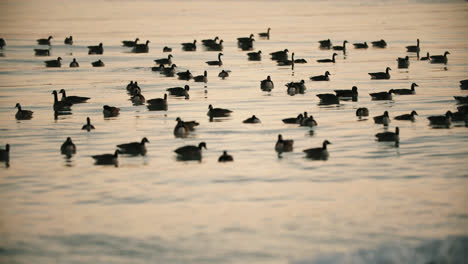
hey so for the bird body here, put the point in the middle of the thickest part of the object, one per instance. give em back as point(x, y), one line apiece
point(190, 152)
point(381, 96)
point(343, 48)
point(255, 56)
point(68, 147)
point(382, 119)
point(265, 34)
point(179, 91)
point(280, 55)
point(440, 58)
point(216, 63)
point(60, 105)
point(164, 61)
point(223, 74)
point(23, 114)
point(201, 78)
point(353, 93)
point(42, 52)
point(251, 120)
point(189, 46)
point(363, 111)
point(157, 103)
point(389, 136)
point(54, 63)
point(225, 157)
point(294, 120)
point(318, 153)
point(44, 41)
point(379, 43)
point(283, 145)
point(141, 48)
point(97, 63)
point(181, 129)
point(267, 84)
point(328, 99)
point(321, 77)
point(130, 43)
point(409, 116)
point(88, 125)
point(325, 44)
point(96, 49)
point(134, 148)
point(218, 112)
point(107, 159)
point(73, 99)
point(332, 60)
point(441, 120)
point(360, 45)
point(74, 64)
point(110, 111)
point(186, 75)
point(403, 63)
point(68, 40)
point(413, 48)
point(5, 153)
point(404, 91)
point(381, 75)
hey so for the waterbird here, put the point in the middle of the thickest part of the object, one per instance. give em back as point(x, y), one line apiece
point(379, 43)
point(216, 63)
point(216, 46)
point(189, 46)
point(328, 99)
point(223, 74)
point(5, 153)
point(294, 120)
point(464, 84)
point(186, 75)
point(343, 48)
point(251, 120)
point(283, 145)
point(409, 117)
point(42, 52)
point(381, 95)
point(321, 77)
point(217, 112)
point(110, 111)
point(255, 56)
point(280, 55)
point(167, 49)
point(225, 157)
point(179, 91)
point(287, 62)
point(68, 148)
point(318, 153)
point(190, 152)
point(267, 84)
point(97, 63)
point(181, 130)
point(44, 41)
point(325, 44)
point(189, 124)
point(157, 103)
point(54, 63)
point(96, 49)
point(23, 114)
point(362, 111)
point(360, 45)
point(328, 60)
point(130, 43)
point(134, 148)
point(73, 99)
point(107, 159)
point(309, 121)
point(441, 120)
point(74, 63)
point(60, 105)
point(426, 58)
point(413, 48)
point(201, 78)
point(164, 61)
point(265, 34)
point(169, 71)
point(440, 58)
point(88, 127)
point(68, 40)
point(245, 40)
point(382, 119)
point(389, 136)
point(381, 75)
point(141, 48)
point(353, 93)
point(405, 91)
point(2, 43)
point(403, 63)
point(461, 99)
point(208, 42)
point(138, 98)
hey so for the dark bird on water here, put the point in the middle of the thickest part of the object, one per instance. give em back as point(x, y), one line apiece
point(381, 75)
point(389, 136)
point(362, 111)
point(110, 111)
point(255, 56)
point(190, 152)
point(379, 43)
point(360, 45)
point(353, 93)
point(216, 63)
point(88, 127)
point(68, 40)
point(74, 64)
point(54, 63)
point(265, 34)
point(157, 103)
point(68, 147)
point(321, 77)
point(134, 148)
point(44, 41)
point(381, 96)
point(328, 99)
point(343, 48)
point(189, 46)
point(283, 145)
point(96, 49)
point(267, 84)
point(42, 52)
point(318, 153)
point(218, 112)
point(179, 91)
point(60, 106)
point(97, 63)
point(107, 159)
point(440, 58)
point(201, 78)
point(332, 60)
point(5, 153)
point(325, 44)
point(403, 63)
point(164, 61)
point(409, 117)
point(440, 121)
point(186, 75)
point(130, 43)
point(141, 48)
point(413, 48)
point(382, 119)
point(251, 120)
point(225, 157)
point(73, 99)
point(23, 114)
point(405, 91)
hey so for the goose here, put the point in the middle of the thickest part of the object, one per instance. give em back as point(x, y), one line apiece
point(252, 120)
point(381, 95)
point(216, 63)
point(60, 105)
point(287, 62)
point(389, 136)
point(409, 116)
point(167, 49)
point(2, 43)
point(186, 75)
point(53, 63)
point(223, 74)
point(404, 91)
point(134, 148)
point(189, 124)
point(245, 40)
point(141, 48)
point(130, 43)
point(461, 115)
point(107, 159)
point(440, 58)
point(110, 111)
point(216, 46)
point(267, 84)
point(360, 45)
point(325, 44)
point(201, 78)
point(133, 89)
point(309, 121)
point(169, 71)
point(426, 58)
point(157, 103)
point(181, 129)
point(296, 87)
point(88, 125)
point(72, 99)
point(280, 55)
point(42, 52)
point(225, 157)
point(74, 64)
point(159, 68)
point(265, 34)
point(441, 120)
point(464, 84)
point(23, 114)
point(5, 153)
point(44, 41)
point(68, 40)
point(217, 112)
point(381, 75)
point(362, 111)
point(403, 63)
point(97, 63)
point(343, 48)
point(294, 120)
point(318, 153)
point(255, 56)
point(96, 49)
point(190, 152)
point(379, 43)
point(130, 86)
point(68, 147)
point(164, 61)
point(328, 99)
point(189, 46)
point(413, 48)
point(328, 60)
point(138, 98)
point(321, 77)
point(283, 145)
point(179, 91)
point(353, 93)
point(461, 99)
point(208, 42)
point(382, 119)
point(300, 61)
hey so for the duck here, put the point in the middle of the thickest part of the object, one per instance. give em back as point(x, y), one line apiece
point(216, 63)
point(44, 41)
point(167, 49)
point(426, 58)
point(60, 106)
point(296, 87)
point(181, 129)
point(251, 120)
point(133, 89)
point(201, 78)
point(389, 136)
point(190, 152)
point(441, 120)
point(287, 62)
point(409, 117)
point(413, 48)
point(328, 99)
point(5, 153)
point(332, 60)
point(186, 75)
point(97, 63)
point(216, 46)
point(2, 43)
point(96, 49)
point(294, 120)
point(54, 63)
point(130, 43)
point(218, 112)
point(300, 61)
point(255, 56)
point(110, 111)
point(381, 75)
point(225, 157)
point(403, 63)
point(309, 121)
point(284, 145)
point(107, 159)
point(379, 43)
point(141, 48)
point(245, 40)
point(23, 114)
point(280, 55)
point(88, 127)
point(130, 86)
point(189, 124)
point(169, 71)
point(381, 95)
point(343, 48)
point(189, 46)
point(362, 111)
point(265, 34)
point(68, 40)
point(405, 91)
point(157, 103)
point(325, 44)
point(223, 74)
point(73, 99)
point(321, 77)
point(74, 64)
point(164, 61)
point(360, 45)
point(208, 42)
point(382, 119)
point(440, 58)
point(138, 98)
point(134, 148)
point(267, 84)
point(159, 68)
point(318, 153)
point(42, 52)
point(461, 99)
point(68, 147)
point(179, 91)
point(353, 93)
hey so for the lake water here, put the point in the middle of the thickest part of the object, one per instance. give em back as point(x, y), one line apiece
point(370, 202)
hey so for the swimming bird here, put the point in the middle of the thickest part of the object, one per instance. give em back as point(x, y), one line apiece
point(2, 43)
point(68, 40)
point(328, 60)
point(159, 68)
point(409, 116)
point(181, 130)
point(440, 58)
point(97, 63)
point(189, 46)
point(286, 62)
point(382, 119)
point(141, 48)
point(134, 148)
point(54, 63)
point(201, 78)
point(164, 61)
point(225, 157)
point(362, 111)
point(167, 49)
point(74, 64)
point(60, 105)
point(215, 46)
point(157, 103)
point(379, 43)
point(96, 49)
point(284, 145)
point(267, 84)
point(464, 84)
point(189, 124)
point(133, 88)
point(251, 120)
point(208, 42)
point(130, 43)
point(217, 112)
point(23, 114)
point(360, 45)
point(68, 148)
point(179, 91)
point(5, 153)
point(73, 99)
point(381, 75)
point(223, 74)
point(255, 56)
point(353, 93)
point(441, 120)
point(328, 99)
point(318, 153)
point(413, 48)
point(309, 121)
point(44, 41)
point(138, 98)
point(42, 52)
point(426, 58)
point(107, 159)
point(381, 95)
point(190, 152)
point(88, 125)
point(294, 120)
point(461, 99)
point(321, 77)
point(169, 71)
point(265, 34)
point(325, 44)
point(343, 48)
point(280, 55)
point(405, 91)
point(110, 111)
point(389, 136)
point(403, 63)
point(186, 75)
point(245, 41)
point(296, 87)
point(216, 63)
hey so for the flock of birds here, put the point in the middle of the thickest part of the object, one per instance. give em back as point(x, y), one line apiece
point(166, 67)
